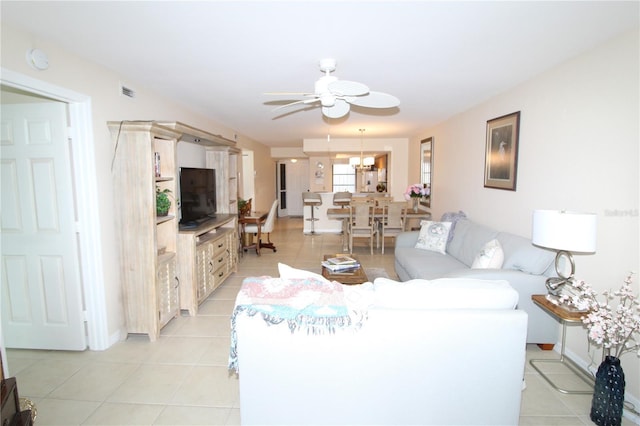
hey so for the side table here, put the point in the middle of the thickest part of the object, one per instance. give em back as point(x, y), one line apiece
point(565, 315)
point(254, 218)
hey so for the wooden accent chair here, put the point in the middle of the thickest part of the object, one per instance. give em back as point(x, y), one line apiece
point(266, 228)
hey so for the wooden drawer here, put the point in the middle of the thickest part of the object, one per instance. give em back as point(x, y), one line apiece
point(220, 259)
point(219, 246)
point(10, 400)
point(222, 269)
point(10, 413)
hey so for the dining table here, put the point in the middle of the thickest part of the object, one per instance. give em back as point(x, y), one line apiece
point(254, 218)
point(343, 214)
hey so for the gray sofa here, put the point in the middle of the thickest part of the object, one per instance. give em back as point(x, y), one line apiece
point(525, 267)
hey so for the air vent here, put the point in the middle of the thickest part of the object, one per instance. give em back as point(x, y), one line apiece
point(124, 90)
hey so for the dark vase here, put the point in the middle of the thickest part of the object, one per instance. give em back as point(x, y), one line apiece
point(608, 393)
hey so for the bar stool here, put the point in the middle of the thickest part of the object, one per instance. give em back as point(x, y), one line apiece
point(342, 199)
point(312, 200)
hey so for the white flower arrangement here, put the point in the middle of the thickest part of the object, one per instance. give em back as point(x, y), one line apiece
point(616, 330)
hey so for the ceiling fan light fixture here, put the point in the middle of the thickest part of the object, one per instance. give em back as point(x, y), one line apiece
point(336, 96)
point(327, 100)
point(327, 65)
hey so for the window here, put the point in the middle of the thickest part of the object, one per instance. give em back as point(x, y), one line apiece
point(344, 178)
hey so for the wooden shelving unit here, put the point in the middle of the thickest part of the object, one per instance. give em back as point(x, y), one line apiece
point(225, 161)
point(164, 269)
point(147, 242)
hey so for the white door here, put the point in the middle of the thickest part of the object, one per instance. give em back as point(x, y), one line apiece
point(42, 305)
point(297, 182)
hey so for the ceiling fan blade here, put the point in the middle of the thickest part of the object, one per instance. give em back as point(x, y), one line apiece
point(338, 110)
point(305, 101)
point(289, 93)
point(375, 100)
point(348, 88)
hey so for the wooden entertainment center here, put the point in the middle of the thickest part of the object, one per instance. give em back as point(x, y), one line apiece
point(164, 268)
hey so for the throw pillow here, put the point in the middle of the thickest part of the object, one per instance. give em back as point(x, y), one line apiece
point(490, 257)
point(287, 272)
point(452, 217)
point(521, 255)
point(433, 236)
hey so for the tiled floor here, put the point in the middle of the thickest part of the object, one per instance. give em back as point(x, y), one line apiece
point(182, 379)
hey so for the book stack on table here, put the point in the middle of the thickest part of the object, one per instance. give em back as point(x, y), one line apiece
point(341, 263)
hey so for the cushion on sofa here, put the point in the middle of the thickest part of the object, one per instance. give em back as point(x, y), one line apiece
point(444, 293)
point(425, 264)
point(468, 240)
point(490, 257)
point(520, 254)
point(433, 236)
point(452, 217)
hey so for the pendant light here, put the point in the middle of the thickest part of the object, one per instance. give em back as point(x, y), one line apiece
point(362, 163)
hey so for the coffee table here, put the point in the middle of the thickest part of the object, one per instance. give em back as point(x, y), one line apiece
point(349, 277)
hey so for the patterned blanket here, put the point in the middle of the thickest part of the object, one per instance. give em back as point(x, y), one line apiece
point(306, 304)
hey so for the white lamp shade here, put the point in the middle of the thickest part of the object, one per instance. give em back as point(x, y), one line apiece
point(369, 161)
point(564, 230)
point(354, 161)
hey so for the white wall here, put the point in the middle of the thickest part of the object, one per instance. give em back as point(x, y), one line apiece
point(102, 85)
point(191, 155)
point(579, 139)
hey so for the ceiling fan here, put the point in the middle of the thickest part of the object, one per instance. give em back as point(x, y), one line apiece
point(336, 96)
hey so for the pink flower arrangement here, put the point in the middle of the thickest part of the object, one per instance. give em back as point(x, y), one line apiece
point(416, 191)
point(613, 329)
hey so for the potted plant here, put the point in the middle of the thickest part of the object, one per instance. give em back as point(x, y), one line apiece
point(244, 207)
point(163, 203)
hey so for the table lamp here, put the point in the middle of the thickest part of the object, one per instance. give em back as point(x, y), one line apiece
point(567, 232)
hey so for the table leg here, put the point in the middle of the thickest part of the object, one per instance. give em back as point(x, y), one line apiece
point(569, 364)
point(258, 241)
point(345, 236)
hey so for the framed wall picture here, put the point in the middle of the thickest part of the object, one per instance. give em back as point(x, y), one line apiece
point(501, 155)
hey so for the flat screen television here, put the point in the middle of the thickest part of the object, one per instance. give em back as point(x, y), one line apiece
point(197, 195)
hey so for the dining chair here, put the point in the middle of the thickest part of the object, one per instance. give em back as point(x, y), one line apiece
point(394, 219)
point(361, 221)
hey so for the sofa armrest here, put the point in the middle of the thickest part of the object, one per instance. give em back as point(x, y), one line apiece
point(542, 327)
point(407, 239)
point(525, 284)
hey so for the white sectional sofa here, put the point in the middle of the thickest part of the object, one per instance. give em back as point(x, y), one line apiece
point(446, 352)
point(525, 267)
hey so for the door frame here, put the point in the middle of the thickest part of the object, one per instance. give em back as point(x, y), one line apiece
point(282, 212)
point(88, 227)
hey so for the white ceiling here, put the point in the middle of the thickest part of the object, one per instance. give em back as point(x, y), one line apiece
point(219, 57)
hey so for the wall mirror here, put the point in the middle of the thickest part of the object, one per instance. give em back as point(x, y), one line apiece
point(426, 166)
